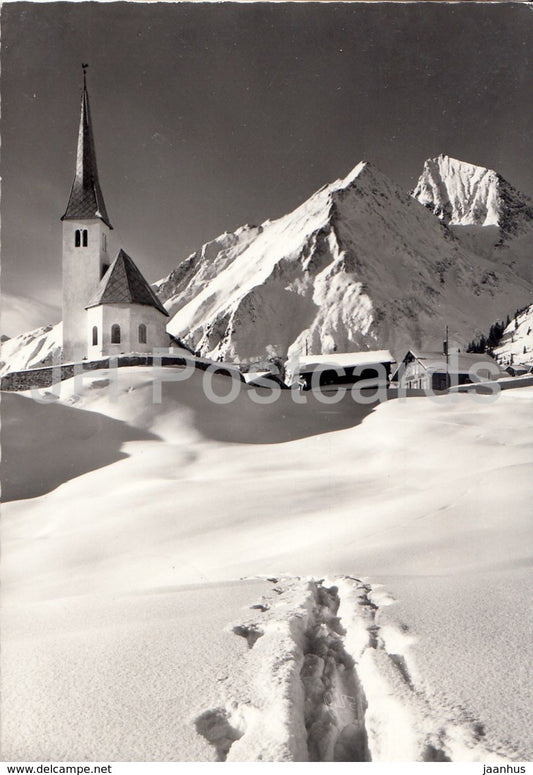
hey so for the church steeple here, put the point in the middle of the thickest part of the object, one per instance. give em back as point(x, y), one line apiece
point(107, 310)
point(86, 200)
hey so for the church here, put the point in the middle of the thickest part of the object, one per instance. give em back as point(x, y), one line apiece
point(109, 308)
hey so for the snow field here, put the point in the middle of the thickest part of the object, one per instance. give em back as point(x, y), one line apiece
point(325, 681)
point(428, 498)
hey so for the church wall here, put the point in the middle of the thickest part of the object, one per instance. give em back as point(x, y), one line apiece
point(82, 272)
point(156, 328)
point(128, 317)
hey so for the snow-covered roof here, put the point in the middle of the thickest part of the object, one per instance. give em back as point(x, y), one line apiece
point(250, 376)
point(343, 360)
point(123, 283)
point(458, 363)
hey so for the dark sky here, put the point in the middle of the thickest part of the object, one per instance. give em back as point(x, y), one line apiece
point(208, 116)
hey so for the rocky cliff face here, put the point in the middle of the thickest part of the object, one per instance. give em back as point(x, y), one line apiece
point(463, 194)
point(484, 211)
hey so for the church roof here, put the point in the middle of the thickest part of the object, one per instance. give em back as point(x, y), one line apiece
point(123, 283)
point(86, 200)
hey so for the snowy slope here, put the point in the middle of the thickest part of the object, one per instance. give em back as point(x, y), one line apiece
point(487, 214)
point(33, 348)
point(205, 264)
point(358, 265)
point(122, 639)
point(516, 344)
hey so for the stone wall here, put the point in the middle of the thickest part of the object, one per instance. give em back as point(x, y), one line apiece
point(47, 376)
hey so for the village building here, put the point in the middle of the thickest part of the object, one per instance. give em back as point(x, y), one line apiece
point(108, 307)
point(436, 371)
point(519, 369)
point(344, 369)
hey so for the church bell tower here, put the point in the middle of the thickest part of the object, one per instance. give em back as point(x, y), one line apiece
point(86, 229)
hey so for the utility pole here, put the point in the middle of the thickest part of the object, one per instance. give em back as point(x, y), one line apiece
point(447, 354)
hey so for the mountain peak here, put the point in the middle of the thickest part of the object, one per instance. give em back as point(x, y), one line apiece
point(464, 194)
point(357, 265)
point(353, 174)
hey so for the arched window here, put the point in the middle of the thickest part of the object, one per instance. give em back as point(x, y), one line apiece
point(104, 243)
point(77, 238)
point(115, 333)
point(85, 238)
point(95, 335)
point(142, 334)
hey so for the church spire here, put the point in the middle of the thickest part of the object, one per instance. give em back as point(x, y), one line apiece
point(86, 200)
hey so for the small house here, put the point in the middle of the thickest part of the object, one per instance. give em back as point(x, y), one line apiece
point(437, 371)
point(519, 369)
point(344, 369)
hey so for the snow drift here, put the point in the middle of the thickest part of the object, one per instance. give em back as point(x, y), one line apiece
point(126, 636)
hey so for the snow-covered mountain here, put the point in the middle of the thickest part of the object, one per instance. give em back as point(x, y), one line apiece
point(358, 265)
point(485, 212)
point(39, 347)
point(467, 195)
point(516, 344)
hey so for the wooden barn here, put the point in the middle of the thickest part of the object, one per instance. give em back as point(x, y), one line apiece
point(435, 371)
point(344, 369)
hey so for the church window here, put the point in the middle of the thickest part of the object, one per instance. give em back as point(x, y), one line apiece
point(104, 242)
point(85, 238)
point(115, 334)
point(77, 238)
point(95, 335)
point(142, 334)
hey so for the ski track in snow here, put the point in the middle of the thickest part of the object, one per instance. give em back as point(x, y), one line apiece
point(325, 681)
